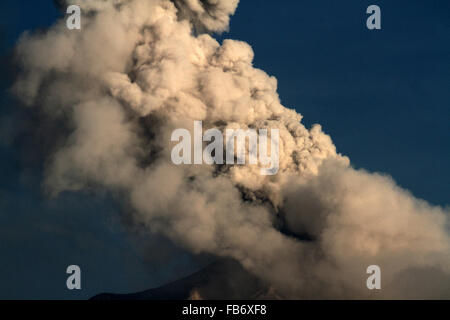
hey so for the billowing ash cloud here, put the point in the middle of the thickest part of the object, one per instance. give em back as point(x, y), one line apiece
point(139, 69)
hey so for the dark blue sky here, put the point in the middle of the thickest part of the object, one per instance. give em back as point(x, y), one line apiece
point(383, 96)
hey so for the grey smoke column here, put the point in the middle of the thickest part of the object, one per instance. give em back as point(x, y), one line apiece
point(137, 70)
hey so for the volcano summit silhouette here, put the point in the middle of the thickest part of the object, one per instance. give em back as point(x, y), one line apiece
point(222, 279)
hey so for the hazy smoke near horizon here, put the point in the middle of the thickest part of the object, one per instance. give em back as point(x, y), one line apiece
point(137, 70)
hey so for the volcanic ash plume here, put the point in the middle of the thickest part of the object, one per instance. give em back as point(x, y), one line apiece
point(139, 69)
